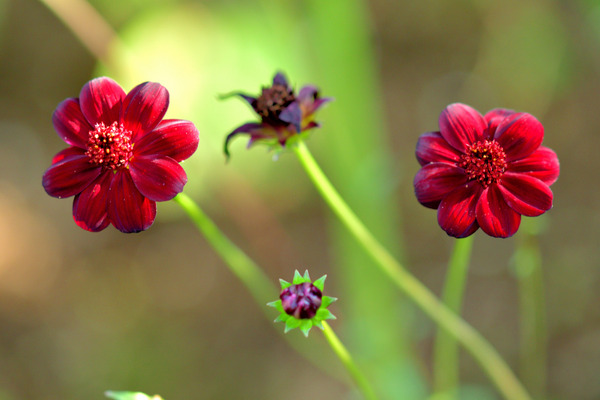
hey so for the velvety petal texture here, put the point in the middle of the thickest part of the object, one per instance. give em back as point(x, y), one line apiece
point(101, 101)
point(144, 107)
point(129, 210)
point(485, 171)
point(159, 179)
point(70, 124)
point(461, 125)
point(122, 158)
point(70, 176)
point(432, 147)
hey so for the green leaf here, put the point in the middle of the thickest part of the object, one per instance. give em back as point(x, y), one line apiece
point(123, 395)
point(320, 283)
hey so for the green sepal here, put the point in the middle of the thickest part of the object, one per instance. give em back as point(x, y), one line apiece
point(326, 300)
point(292, 323)
point(284, 284)
point(318, 324)
point(323, 314)
point(282, 317)
point(305, 326)
point(320, 283)
point(298, 279)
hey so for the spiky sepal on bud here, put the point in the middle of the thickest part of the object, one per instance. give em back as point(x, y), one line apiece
point(301, 303)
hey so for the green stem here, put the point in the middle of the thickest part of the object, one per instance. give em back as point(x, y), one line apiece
point(259, 285)
point(239, 263)
point(476, 345)
point(528, 268)
point(338, 347)
point(445, 360)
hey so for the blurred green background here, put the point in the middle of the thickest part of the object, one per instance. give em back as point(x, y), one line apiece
point(158, 312)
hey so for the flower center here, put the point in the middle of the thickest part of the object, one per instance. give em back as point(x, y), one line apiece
point(484, 161)
point(110, 146)
point(301, 301)
point(272, 101)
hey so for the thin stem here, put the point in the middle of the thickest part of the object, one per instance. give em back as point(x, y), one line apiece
point(476, 345)
point(238, 262)
point(259, 285)
point(445, 360)
point(534, 340)
point(86, 24)
point(340, 350)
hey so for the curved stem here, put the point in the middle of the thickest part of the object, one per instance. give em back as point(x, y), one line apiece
point(476, 345)
point(445, 359)
point(259, 285)
point(239, 263)
point(85, 23)
point(338, 347)
point(533, 357)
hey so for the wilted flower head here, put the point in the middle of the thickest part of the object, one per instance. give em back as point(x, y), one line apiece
point(283, 113)
point(485, 171)
point(122, 156)
point(301, 303)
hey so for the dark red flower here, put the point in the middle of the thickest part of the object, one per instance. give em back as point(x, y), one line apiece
point(485, 171)
point(283, 113)
point(123, 157)
point(302, 300)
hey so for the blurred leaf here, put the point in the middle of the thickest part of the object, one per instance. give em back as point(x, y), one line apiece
point(523, 54)
point(130, 396)
point(199, 53)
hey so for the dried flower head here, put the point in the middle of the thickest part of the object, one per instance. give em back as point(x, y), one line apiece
point(283, 113)
point(302, 304)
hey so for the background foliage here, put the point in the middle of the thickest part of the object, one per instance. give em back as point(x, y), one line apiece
point(157, 312)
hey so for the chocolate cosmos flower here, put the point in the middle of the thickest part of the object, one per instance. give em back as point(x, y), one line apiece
point(485, 171)
point(283, 113)
point(122, 158)
point(302, 304)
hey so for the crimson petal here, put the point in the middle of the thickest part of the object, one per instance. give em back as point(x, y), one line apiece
point(144, 107)
point(519, 135)
point(525, 194)
point(159, 179)
point(129, 210)
point(435, 181)
point(100, 100)
point(494, 216)
point(432, 147)
point(175, 138)
point(456, 213)
point(70, 174)
point(461, 125)
point(494, 117)
point(542, 164)
point(70, 124)
point(90, 207)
